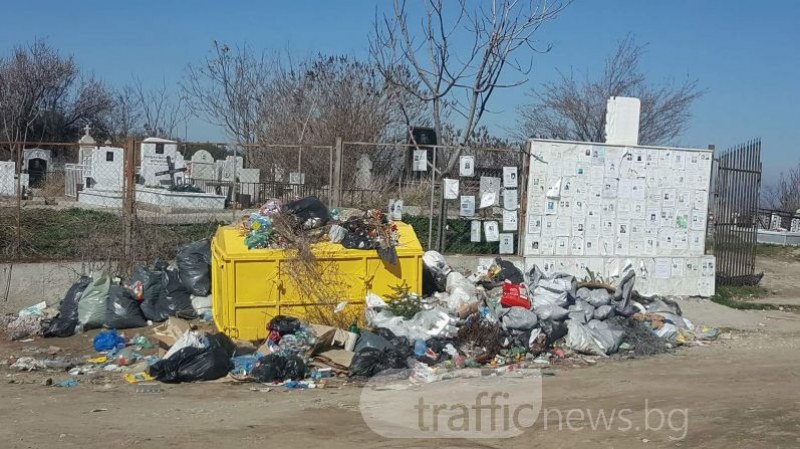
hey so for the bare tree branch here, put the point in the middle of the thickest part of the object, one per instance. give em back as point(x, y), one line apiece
point(573, 109)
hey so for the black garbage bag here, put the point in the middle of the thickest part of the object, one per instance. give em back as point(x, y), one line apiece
point(223, 342)
point(177, 300)
point(373, 340)
point(370, 362)
point(402, 344)
point(279, 367)
point(122, 311)
point(192, 364)
point(358, 240)
point(152, 290)
point(194, 267)
point(555, 330)
point(283, 324)
point(67, 320)
point(310, 211)
point(508, 271)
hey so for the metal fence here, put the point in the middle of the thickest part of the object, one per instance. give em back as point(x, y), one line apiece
point(736, 222)
point(131, 202)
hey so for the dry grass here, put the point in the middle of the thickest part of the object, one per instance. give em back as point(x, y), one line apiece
point(53, 187)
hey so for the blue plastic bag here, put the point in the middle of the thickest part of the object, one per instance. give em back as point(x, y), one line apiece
point(108, 340)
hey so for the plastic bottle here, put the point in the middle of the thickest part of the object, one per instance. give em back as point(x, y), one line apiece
point(420, 348)
point(354, 328)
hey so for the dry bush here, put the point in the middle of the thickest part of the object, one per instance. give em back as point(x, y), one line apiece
point(53, 186)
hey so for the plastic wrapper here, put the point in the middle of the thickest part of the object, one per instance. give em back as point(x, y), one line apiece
point(194, 267)
point(64, 325)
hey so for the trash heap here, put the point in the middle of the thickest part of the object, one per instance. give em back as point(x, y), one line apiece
point(308, 220)
point(501, 317)
point(152, 294)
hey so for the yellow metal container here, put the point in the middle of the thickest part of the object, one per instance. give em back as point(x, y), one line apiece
point(251, 286)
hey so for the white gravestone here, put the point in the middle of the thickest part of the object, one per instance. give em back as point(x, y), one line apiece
point(154, 153)
point(8, 179)
point(231, 167)
point(364, 172)
point(107, 168)
point(202, 166)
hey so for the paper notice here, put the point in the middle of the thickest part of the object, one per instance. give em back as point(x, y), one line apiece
point(510, 177)
point(663, 268)
point(576, 246)
point(509, 220)
point(506, 244)
point(420, 160)
point(466, 166)
point(487, 199)
point(562, 246)
point(510, 200)
point(492, 231)
point(450, 189)
point(467, 206)
point(475, 231)
point(554, 191)
point(698, 220)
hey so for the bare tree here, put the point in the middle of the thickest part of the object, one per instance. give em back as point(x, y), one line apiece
point(574, 108)
point(227, 89)
point(784, 194)
point(125, 117)
point(492, 36)
point(161, 113)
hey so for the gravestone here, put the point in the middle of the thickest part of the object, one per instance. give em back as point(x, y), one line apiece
point(202, 166)
point(87, 147)
point(249, 179)
point(106, 168)
point(154, 152)
point(231, 168)
point(8, 179)
point(364, 172)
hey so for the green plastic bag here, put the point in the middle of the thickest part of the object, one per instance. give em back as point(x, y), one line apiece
point(92, 305)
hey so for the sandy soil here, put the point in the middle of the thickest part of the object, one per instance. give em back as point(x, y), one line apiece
point(738, 392)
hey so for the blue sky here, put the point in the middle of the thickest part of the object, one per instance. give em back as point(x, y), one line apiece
point(745, 54)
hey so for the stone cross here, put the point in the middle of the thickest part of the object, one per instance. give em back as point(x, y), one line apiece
point(171, 170)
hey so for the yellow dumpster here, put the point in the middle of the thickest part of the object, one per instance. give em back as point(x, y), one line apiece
point(250, 287)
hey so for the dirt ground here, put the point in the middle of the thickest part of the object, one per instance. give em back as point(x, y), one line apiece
point(738, 392)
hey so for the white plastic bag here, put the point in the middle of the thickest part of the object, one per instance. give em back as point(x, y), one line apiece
point(460, 291)
point(189, 339)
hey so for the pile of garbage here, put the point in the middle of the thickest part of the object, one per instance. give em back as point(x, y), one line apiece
point(150, 295)
point(500, 316)
point(308, 220)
